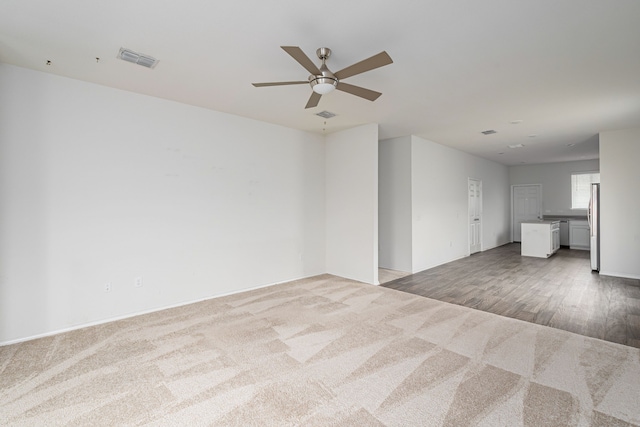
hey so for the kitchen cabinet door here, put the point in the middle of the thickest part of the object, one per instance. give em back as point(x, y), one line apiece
point(579, 235)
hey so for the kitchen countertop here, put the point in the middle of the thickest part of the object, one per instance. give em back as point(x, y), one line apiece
point(565, 218)
point(541, 221)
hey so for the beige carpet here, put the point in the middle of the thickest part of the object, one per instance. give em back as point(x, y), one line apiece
point(385, 275)
point(315, 352)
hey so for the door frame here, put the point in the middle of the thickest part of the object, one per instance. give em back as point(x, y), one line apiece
point(469, 179)
point(512, 200)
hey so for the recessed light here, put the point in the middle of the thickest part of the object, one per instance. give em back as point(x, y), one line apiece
point(515, 122)
point(515, 146)
point(488, 132)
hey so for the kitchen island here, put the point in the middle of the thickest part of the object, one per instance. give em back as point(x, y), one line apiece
point(540, 238)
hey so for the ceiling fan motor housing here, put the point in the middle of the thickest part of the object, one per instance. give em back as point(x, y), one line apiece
point(326, 81)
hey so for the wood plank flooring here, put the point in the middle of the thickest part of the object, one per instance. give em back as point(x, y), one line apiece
point(560, 291)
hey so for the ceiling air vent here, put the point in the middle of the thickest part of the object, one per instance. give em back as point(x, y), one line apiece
point(488, 132)
point(325, 114)
point(137, 58)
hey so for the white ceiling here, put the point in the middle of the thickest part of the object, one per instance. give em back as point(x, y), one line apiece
point(568, 69)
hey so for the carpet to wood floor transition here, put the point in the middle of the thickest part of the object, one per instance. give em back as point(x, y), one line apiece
point(323, 351)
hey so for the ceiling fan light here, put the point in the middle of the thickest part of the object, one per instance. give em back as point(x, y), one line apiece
point(323, 88)
point(323, 85)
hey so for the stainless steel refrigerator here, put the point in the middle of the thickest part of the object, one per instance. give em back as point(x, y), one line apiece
point(593, 215)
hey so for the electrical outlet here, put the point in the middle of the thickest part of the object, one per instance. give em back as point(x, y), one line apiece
point(137, 282)
point(107, 287)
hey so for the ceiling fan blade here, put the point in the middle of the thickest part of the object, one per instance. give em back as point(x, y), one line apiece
point(297, 54)
point(372, 63)
point(313, 100)
point(279, 83)
point(371, 95)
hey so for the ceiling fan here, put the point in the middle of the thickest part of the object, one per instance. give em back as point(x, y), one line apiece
point(323, 81)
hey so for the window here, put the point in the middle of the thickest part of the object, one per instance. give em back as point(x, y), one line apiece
point(581, 188)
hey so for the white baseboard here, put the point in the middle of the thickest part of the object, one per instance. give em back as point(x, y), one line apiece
point(441, 263)
point(460, 257)
point(621, 275)
point(495, 246)
point(140, 313)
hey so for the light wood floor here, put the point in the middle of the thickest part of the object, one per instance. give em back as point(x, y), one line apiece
point(560, 291)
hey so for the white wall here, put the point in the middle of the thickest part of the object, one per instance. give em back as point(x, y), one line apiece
point(437, 230)
point(619, 203)
point(556, 183)
point(440, 203)
point(394, 213)
point(99, 185)
point(352, 203)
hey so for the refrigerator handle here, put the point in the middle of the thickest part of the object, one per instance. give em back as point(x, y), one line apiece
point(589, 215)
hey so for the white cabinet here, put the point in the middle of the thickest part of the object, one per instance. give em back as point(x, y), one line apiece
point(540, 238)
point(579, 235)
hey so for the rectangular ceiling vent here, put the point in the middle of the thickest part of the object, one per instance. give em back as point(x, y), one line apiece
point(325, 114)
point(137, 58)
point(488, 132)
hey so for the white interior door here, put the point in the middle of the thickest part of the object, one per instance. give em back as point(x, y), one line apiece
point(475, 216)
point(527, 206)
